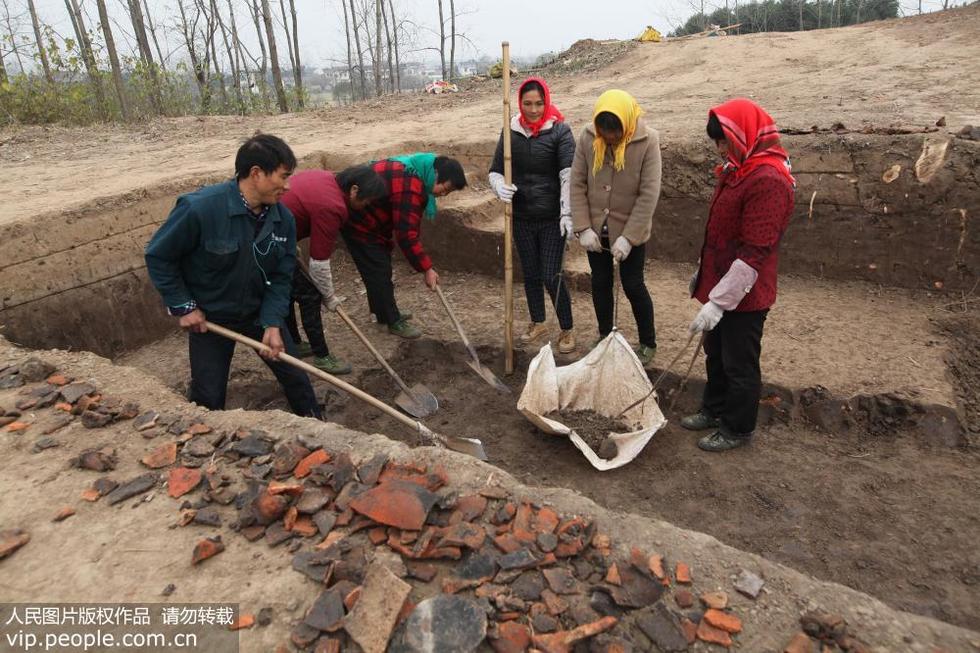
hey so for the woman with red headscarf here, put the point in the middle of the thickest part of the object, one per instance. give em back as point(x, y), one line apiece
point(736, 279)
point(542, 149)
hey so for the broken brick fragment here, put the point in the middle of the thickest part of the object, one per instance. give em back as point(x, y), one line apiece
point(378, 535)
point(351, 599)
point(182, 480)
point(683, 598)
point(16, 427)
point(161, 456)
point(91, 494)
point(562, 641)
point(398, 503)
point(306, 465)
point(57, 379)
point(716, 600)
point(708, 633)
point(243, 621)
point(269, 507)
point(507, 543)
point(468, 508)
point(511, 637)
point(683, 573)
point(207, 548)
point(655, 563)
point(63, 406)
point(11, 540)
point(64, 513)
point(546, 520)
point(801, 643)
point(612, 576)
point(287, 487)
point(289, 519)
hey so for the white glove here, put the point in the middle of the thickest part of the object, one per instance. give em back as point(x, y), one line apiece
point(323, 280)
point(503, 190)
point(707, 318)
point(333, 302)
point(621, 249)
point(565, 224)
point(589, 239)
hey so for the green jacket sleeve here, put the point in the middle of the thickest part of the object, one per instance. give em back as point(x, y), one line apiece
point(178, 236)
point(275, 301)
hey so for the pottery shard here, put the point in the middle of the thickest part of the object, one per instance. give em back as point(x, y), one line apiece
point(397, 503)
point(801, 643)
point(309, 461)
point(468, 508)
point(716, 600)
point(33, 370)
point(374, 616)
point(708, 633)
point(64, 514)
point(370, 471)
point(637, 589)
point(663, 628)
point(443, 624)
point(312, 500)
point(182, 480)
point(512, 637)
point(207, 548)
point(138, 485)
point(561, 581)
point(75, 391)
point(287, 456)
point(94, 420)
point(327, 611)
point(11, 540)
point(464, 534)
point(562, 642)
point(161, 456)
point(146, 421)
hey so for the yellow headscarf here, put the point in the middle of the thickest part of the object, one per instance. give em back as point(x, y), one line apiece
point(622, 105)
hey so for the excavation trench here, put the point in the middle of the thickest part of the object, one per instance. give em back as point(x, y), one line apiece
point(826, 490)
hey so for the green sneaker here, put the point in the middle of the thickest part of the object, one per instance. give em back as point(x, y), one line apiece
point(699, 421)
point(645, 354)
point(406, 315)
point(404, 329)
point(303, 350)
point(331, 364)
point(722, 440)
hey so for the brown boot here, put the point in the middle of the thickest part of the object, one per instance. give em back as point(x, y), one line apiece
point(534, 331)
point(566, 342)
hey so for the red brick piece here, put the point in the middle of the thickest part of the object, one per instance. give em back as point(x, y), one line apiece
point(182, 480)
point(304, 526)
point(683, 574)
point(723, 621)
point(655, 563)
point(290, 519)
point(512, 637)
point(547, 520)
point(683, 598)
point(15, 427)
point(64, 514)
point(161, 456)
point(507, 543)
point(305, 466)
point(801, 643)
point(716, 600)
point(378, 535)
point(207, 548)
point(612, 576)
point(468, 508)
point(91, 494)
point(712, 635)
point(57, 379)
point(396, 503)
point(562, 641)
point(242, 622)
point(690, 630)
point(286, 487)
point(11, 540)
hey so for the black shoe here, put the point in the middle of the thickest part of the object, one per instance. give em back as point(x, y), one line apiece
point(723, 440)
point(699, 421)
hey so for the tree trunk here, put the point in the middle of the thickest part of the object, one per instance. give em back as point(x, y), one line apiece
point(297, 65)
point(802, 6)
point(360, 54)
point(200, 72)
point(263, 82)
point(214, 23)
point(442, 41)
point(350, 60)
point(377, 48)
point(42, 53)
point(391, 69)
point(289, 40)
point(233, 56)
point(153, 34)
point(274, 58)
point(394, 31)
point(3, 70)
point(13, 40)
point(88, 57)
point(146, 55)
point(452, 40)
point(110, 45)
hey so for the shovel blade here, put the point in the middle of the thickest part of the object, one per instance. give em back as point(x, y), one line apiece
point(469, 446)
point(489, 376)
point(419, 402)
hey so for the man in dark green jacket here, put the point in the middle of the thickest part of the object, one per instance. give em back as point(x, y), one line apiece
point(226, 254)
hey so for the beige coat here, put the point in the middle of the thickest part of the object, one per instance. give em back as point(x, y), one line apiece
point(624, 199)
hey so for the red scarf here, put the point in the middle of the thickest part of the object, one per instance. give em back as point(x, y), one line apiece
point(754, 138)
point(551, 112)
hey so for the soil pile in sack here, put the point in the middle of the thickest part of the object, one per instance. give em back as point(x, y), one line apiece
point(610, 383)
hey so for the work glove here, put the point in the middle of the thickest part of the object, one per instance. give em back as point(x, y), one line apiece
point(333, 301)
point(503, 190)
point(621, 249)
point(589, 239)
point(565, 224)
point(707, 318)
point(322, 279)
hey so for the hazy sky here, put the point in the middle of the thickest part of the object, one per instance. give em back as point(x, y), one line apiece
point(531, 27)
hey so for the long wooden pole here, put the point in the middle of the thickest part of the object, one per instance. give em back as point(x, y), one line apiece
point(508, 226)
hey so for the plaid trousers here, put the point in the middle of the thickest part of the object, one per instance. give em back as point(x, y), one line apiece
point(540, 246)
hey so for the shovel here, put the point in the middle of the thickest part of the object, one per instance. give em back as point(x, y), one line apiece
point(475, 363)
point(418, 401)
point(469, 446)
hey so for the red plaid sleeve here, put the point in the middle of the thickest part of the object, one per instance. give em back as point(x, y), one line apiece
point(408, 199)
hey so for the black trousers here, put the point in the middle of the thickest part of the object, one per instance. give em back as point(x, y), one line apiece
point(373, 262)
point(734, 379)
point(211, 361)
point(305, 294)
point(634, 287)
point(540, 246)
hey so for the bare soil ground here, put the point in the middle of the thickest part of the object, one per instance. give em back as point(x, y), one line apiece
point(906, 72)
point(841, 506)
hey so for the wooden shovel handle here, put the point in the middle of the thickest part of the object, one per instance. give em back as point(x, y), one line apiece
point(329, 378)
point(459, 327)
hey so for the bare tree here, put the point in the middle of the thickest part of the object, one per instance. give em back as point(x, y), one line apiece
point(391, 70)
point(12, 34)
point(274, 57)
point(298, 68)
point(88, 56)
point(452, 42)
point(442, 41)
point(377, 48)
point(360, 54)
point(41, 51)
point(146, 55)
point(350, 61)
point(394, 30)
point(110, 45)
point(153, 34)
point(3, 70)
point(264, 68)
point(233, 60)
point(199, 56)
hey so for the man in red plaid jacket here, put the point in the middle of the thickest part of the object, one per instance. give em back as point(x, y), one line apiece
point(370, 234)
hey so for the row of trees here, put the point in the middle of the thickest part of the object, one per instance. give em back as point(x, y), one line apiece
point(789, 15)
point(89, 75)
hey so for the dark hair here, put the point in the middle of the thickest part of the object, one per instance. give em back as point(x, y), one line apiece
point(450, 170)
point(266, 151)
point(608, 122)
point(715, 132)
point(531, 86)
point(370, 185)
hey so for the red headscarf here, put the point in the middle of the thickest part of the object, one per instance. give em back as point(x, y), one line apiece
point(754, 138)
point(551, 112)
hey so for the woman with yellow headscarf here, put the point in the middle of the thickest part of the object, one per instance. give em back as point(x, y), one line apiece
point(614, 192)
